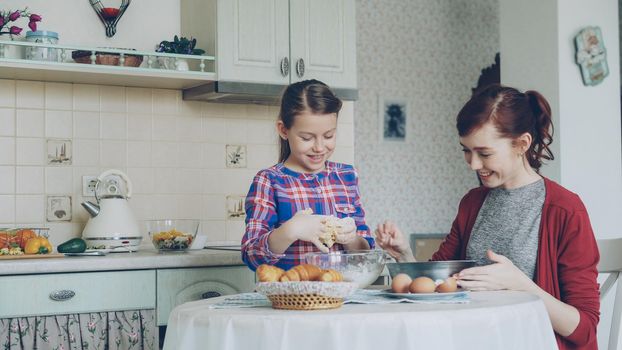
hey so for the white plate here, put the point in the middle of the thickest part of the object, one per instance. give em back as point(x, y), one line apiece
point(425, 296)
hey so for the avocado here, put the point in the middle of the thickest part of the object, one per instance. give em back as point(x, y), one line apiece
point(74, 245)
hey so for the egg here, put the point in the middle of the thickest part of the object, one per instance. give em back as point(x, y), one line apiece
point(422, 285)
point(401, 283)
point(448, 286)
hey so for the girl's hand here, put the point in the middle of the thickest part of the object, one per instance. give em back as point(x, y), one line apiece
point(390, 238)
point(347, 234)
point(307, 227)
point(502, 274)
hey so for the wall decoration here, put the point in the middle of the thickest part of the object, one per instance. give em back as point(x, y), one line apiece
point(236, 156)
point(591, 55)
point(393, 116)
point(235, 207)
point(58, 208)
point(59, 152)
point(109, 15)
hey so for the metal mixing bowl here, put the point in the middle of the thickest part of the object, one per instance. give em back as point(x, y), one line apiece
point(433, 269)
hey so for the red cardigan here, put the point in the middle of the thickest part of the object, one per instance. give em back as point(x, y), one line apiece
point(566, 261)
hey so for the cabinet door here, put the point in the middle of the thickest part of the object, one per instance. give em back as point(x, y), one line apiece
point(253, 40)
point(178, 286)
point(323, 38)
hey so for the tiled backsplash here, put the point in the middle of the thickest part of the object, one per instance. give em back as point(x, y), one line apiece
point(174, 151)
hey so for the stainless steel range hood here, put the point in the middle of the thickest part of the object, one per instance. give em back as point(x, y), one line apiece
point(240, 92)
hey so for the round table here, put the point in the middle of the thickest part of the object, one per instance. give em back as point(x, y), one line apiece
point(492, 320)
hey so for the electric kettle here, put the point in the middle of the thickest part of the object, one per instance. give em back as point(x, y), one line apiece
point(112, 225)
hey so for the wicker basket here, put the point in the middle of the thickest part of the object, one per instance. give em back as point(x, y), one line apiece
point(304, 302)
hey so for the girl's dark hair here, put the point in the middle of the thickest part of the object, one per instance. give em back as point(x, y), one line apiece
point(311, 96)
point(513, 113)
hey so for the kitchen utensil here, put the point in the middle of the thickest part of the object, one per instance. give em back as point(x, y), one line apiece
point(434, 269)
point(91, 253)
point(172, 235)
point(112, 223)
point(360, 266)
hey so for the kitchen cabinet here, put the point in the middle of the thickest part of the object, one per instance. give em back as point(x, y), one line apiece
point(277, 42)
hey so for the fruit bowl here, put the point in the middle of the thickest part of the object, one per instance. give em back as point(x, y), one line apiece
point(359, 266)
point(172, 235)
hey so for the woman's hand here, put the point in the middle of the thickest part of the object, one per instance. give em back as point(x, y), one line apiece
point(502, 274)
point(390, 238)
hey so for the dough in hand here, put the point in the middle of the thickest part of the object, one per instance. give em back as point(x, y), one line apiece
point(333, 227)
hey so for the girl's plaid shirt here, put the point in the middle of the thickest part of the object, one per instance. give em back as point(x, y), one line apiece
point(277, 193)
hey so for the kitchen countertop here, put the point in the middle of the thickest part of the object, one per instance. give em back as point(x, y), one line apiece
point(141, 260)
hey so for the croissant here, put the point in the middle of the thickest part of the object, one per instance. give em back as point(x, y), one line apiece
point(330, 276)
point(302, 272)
point(269, 273)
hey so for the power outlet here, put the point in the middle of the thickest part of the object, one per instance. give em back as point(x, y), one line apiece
point(88, 185)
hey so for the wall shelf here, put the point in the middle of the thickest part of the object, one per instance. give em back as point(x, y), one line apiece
point(68, 71)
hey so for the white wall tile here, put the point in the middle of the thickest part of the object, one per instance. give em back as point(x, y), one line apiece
point(78, 213)
point(237, 181)
point(236, 131)
point(142, 179)
point(213, 130)
point(189, 206)
point(141, 207)
point(214, 156)
point(345, 136)
point(212, 110)
point(112, 99)
point(7, 180)
point(7, 121)
point(58, 180)
point(215, 230)
point(164, 206)
point(346, 115)
point(165, 101)
point(191, 108)
point(214, 207)
point(7, 150)
point(261, 132)
point(7, 93)
point(29, 94)
point(212, 181)
point(30, 122)
point(86, 125)
point(234, 110)
point(29, 209)
point(235, 230)
point(86, 153)
point(139, 100)
point(58, 124)
point(7, 208)
point(190, 155)
point(86, 97)
point(343, 155)
point(189, 128)
point(261, 156)
point(164, 128)
point(189, 181)
point(62, 231)
point(139, 154)
point(165, 180)
point(30, 151)
point(30, 180)
point(164, 154)
point(113, 154)
point(58, 96)
point(139, 127)
point(113, 126)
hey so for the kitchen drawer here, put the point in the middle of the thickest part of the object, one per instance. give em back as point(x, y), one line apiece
point(29, 295)
point(178, 286)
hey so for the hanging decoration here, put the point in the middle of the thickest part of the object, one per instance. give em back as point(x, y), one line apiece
point(591, 55)
point(109, 15)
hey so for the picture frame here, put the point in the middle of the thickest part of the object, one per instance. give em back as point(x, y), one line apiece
point(591, 55)
point(393, 118)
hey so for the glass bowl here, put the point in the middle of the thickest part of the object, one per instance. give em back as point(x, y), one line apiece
point(172, 235)
point(360, 266)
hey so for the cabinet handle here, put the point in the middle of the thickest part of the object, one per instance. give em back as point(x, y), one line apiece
point(211, 294)
point(300, 67)
point(285, 66)
point(62, 295)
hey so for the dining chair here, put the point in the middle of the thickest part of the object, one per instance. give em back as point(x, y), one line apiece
point(611, 263)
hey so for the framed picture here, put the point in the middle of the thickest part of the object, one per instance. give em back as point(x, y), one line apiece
point(591, 55)
point(393, 117)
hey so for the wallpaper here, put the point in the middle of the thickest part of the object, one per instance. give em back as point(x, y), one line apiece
point(430, 54)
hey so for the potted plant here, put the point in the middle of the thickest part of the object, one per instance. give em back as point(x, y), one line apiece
point(179, 45)
point(8, 27)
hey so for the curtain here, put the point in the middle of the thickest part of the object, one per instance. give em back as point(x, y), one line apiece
point(121, 330)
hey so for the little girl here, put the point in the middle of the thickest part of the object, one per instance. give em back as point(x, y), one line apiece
point(288, 205)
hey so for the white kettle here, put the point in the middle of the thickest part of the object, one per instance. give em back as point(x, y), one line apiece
point(112, 224)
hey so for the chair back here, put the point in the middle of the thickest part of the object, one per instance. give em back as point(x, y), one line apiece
point(611, 263)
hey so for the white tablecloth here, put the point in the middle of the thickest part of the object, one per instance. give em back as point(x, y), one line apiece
point(492, 320)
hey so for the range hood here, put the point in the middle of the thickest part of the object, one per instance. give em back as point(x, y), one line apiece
point(241, 92)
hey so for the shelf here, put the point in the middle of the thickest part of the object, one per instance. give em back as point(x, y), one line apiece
point(80, 73)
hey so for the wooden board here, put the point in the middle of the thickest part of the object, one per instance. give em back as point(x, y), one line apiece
point(32, 256)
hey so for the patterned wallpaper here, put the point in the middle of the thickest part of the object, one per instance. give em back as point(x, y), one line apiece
point(430, 53)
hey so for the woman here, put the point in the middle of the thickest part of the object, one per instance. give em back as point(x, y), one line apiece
point(527, 232)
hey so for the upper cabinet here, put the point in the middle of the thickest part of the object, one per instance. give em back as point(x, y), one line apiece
point(277, 42)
